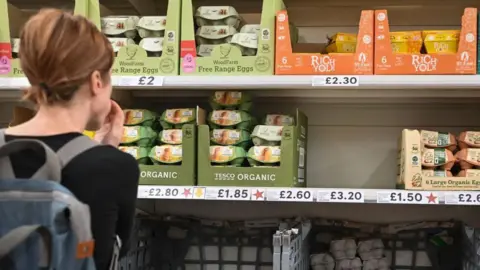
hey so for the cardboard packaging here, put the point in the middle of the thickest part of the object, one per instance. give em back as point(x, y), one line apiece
point(290, 173)
point(410, 175)
point(226, 59)
point(12, 20)
point(463, 62)
point(301, 59)
point(132, 60)
point(177, 175)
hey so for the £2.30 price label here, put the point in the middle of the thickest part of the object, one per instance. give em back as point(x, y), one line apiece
point(407, 197)
point(235, 194)
point(290, 195)
point(346, 196)
point(140, 81)
point(335, 81)
point(462, 197)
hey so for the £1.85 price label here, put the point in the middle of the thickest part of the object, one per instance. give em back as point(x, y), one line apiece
point(165, 192)
point(290, 195)
point(346, 196)
point(462, 197)
point(407, 197)
point(235, 194)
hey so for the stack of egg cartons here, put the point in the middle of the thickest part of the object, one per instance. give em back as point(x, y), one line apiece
point(220, 25)
point(267, 139)
point(343, 256)
point(139, 134)
point(147, 31)
point(437, 153)
point(169, 150)
point(468, 156)
point(230, 126)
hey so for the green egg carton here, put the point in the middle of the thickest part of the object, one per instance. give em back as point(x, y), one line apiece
point(138, 136)
point(140, 117)
point(231, 100)
point(176, 118)
point(226, 119)
point(227, 155)
point(290, 173)
point(230, 137)
point(139, 153)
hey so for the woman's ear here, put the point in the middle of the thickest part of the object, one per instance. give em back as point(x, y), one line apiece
point(96, 83)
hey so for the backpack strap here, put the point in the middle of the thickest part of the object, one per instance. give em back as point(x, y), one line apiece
point(17, 236)
point(54, 162)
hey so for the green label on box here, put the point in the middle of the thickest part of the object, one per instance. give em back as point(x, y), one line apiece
point(133, 60)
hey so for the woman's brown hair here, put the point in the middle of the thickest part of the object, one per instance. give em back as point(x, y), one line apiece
point(59, 52)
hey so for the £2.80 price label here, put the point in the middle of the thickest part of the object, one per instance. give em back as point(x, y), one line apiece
point(237, 194)
point(407, 197)
point(164, 192)
point(462, 197)
point(290, 195)
point(347, 196)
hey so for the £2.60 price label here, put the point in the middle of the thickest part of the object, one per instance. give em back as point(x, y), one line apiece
point(346, 196)
point(407, 197)
point(290, 195)
point(462, 197)
point(140, 81)
point(236, 194)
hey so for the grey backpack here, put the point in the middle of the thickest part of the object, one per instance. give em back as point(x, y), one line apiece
point(43, 225)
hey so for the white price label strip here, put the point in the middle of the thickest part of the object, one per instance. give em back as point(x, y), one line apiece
point(140, 81)
point(408, 197)
point(462, 197)
point(165, 192)
point(225, 193)
point(341, 196)
point(335, 81)
point(290, 195)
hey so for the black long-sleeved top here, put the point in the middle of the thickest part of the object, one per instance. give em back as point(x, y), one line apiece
point(104, 178)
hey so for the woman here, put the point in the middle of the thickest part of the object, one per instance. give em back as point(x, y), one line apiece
point(68, 62)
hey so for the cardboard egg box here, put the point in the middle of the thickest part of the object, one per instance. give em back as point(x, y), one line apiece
point(410, 176)
point(307, 59)
point(133, 60)
point(177, 175)
point(227, 59)
point(291, 172)
point(12, 20)
point(463, 62)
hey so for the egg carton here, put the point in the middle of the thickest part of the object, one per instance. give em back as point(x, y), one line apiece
point(406, 246)
point(187, 244)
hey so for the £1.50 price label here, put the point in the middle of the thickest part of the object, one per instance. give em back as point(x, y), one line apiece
point(290, 195)
point(235, 194)
point(335, 81)
point(345, 196)
point(165, 192)
point(407, 197)
point(140, 81)
point(462, 197)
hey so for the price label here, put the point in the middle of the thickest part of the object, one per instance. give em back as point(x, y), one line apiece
point(408, 197)
point(140, 81)
point(164, 192)
point(290, 195)
point(341, 196)
point(462, 197)
point(335, 81)
point(235, 194)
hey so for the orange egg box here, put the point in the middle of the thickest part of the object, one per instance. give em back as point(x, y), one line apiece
point(463, 62)
point(296, 61)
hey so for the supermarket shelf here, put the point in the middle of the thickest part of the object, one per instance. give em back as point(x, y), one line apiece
point(279, 82)
point(325, 195)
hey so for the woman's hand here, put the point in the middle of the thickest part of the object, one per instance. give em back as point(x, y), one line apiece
point(111, 131)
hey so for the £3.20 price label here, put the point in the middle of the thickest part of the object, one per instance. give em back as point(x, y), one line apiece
point(462, 197)
point(346, 196)
point(236, 194)
point(408, 197)
point(290, 195)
